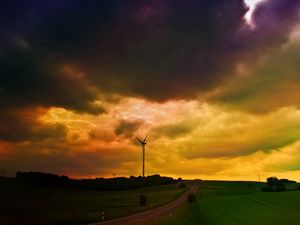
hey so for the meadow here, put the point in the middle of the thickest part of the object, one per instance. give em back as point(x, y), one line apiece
point(237, 203)
point(27, 204)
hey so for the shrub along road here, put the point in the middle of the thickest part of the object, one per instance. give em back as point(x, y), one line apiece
point(155, 213)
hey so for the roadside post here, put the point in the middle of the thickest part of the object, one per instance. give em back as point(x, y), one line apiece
point(102, 216)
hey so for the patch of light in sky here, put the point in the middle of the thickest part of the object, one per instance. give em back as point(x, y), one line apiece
point(251, 4)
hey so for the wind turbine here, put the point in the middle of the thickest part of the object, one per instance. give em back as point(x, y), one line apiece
point(143, 143)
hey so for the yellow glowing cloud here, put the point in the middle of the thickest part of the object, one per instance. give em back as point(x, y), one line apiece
point(186, 138)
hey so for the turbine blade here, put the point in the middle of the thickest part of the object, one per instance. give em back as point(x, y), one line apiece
point(144, 141)
point(139, 140)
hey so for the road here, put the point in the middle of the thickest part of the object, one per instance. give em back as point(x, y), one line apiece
point(143, 217)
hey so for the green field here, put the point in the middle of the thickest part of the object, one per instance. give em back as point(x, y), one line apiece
point(26, 204)
point(237, 203)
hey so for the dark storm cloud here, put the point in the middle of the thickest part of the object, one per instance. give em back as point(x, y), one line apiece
point(161, 49)
point(32, 72)
point(154, 49)
point(170, 49)
point(34, 78)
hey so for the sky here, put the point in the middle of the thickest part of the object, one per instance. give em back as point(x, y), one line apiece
point(214, 85)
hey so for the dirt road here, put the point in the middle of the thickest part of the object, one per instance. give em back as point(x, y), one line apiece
point(151, 214)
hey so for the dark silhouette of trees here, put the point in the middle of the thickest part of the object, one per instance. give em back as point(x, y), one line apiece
point(274, 184)
point(103, 184)
point(43, 179)
point(287, 181)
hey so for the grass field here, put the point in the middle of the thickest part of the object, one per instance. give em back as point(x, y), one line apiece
point(26, 204)
point(238, 203)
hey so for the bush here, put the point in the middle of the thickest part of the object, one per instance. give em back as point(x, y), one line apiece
point(143, 200)
point(191, 197)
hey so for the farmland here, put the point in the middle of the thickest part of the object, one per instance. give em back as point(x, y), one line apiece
point(27, 204)
point(218, 203)
point(238, 203)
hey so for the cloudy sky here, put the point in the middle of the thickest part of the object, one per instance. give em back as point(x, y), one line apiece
point(215, 85)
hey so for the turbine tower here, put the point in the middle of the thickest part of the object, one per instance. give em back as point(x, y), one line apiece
point(143, 143)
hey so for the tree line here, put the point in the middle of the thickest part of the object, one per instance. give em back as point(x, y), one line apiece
point(102, 184)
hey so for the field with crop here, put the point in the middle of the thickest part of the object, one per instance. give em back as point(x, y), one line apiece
point(26, 204)
point(238, 203)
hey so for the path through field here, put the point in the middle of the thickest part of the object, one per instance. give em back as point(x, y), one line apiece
point(149, 215)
